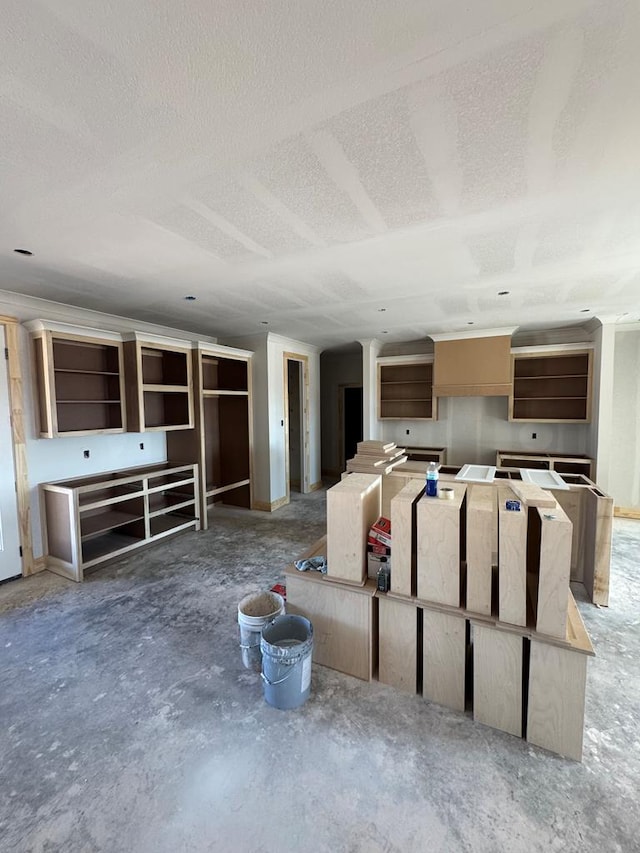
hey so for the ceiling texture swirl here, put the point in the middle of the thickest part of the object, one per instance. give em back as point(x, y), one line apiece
point(330, 171)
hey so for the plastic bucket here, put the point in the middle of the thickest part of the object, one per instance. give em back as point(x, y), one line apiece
point(287, 647)
point(254, 612)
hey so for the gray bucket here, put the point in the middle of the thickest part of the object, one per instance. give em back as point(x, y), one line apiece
point(287, 647)
point(254, 612)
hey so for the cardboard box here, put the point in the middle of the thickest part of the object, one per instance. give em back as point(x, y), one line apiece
point(381, 531)
point(375, 547)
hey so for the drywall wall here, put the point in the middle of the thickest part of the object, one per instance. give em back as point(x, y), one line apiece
point(269, 456)
point(277, 346)
point(62, 458)
point(624, 477)
point(337, 370)
point(473, 428)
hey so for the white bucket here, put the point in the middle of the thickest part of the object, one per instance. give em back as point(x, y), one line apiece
point(254, 612)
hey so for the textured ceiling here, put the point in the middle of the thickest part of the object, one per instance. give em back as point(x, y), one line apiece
point(309, 164)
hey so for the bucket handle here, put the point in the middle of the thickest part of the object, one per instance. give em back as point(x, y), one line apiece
point(279, 681)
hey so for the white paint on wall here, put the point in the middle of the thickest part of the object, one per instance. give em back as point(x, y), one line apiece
point(474, 428)
point(624, 481)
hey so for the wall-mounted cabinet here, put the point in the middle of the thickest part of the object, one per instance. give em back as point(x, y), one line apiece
point(79, 382)
point(221, 443)
point(159, 384)
point(551, 386)
point(88, 520)
point(405, 388)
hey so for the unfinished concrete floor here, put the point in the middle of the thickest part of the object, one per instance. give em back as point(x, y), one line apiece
point(129, 724)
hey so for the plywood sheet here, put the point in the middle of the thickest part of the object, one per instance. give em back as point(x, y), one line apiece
point(557, 684)
point(598, 520)
point(512, 561)
point(444, 659)
point(342, 622)
point(497, 679)
point(554, 572)
point(481, 520)
point(397, 644)
point(438, 550)
point(403, 527)
point(353, 505)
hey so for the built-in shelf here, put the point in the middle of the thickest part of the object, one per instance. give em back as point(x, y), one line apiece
point(88, 520)
point(405, 388)
point(551, 387)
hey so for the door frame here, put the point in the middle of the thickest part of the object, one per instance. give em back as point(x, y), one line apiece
point(18, 435)
point(305, 486)
point(342, 462)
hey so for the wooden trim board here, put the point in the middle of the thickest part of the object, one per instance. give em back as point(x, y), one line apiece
point(16, 401)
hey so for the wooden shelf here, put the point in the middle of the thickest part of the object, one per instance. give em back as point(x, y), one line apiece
point(221, 442)
point(159, 385)
point(91, 519)
point(73, 400)
point(551, 387)
point(405, 389)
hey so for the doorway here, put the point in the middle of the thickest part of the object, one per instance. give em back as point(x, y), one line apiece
point(296, 426)
point(350, 427)
point(10, 551)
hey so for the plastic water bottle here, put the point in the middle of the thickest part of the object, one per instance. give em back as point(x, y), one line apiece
point(432, 480)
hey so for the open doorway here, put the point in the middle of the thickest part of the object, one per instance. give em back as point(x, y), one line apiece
point(296, 385)
point(350, 421)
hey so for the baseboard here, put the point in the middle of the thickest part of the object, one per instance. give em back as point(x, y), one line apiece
point(626, 512)
point(315, 486)
point(264, 506)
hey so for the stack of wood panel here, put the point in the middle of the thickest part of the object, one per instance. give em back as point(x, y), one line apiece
point(479, 617)
point(376, 457)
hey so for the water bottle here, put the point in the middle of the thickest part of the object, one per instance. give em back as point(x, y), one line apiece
point(432, 480)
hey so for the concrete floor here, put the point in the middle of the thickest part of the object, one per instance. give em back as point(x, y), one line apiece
point(129, 723)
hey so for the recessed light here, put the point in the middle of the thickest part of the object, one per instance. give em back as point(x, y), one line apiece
point(190, 298)
point(470, 323)
point(504, 292)
point(264, 322)
point(585, 310)
point(24, 252)
point(385, 332)
point(381, 310)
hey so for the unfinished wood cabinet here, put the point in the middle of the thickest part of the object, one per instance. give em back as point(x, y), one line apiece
point(353, 505)
point(88, 520)
point(405, 388)
point(221, 443)
point(444, 658)
point(563, 463)
point(497, 678)
point(441, 526)
point(159, 383)
point(398, 640)
point(551, 386)
point(79, 381)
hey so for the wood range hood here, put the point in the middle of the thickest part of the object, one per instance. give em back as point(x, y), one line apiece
point(472, 364)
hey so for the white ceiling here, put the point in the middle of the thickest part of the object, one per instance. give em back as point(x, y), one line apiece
point(310, 163)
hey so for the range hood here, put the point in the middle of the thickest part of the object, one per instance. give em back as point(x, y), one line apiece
point(472, 365)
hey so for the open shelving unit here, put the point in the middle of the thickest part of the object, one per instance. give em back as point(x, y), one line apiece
point(88, 520)
point(79, 382)
point(563, 463)
point(221, 443)
point(405, 388)
point(551, 387)
point(159, 388)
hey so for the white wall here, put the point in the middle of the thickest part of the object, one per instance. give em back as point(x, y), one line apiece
point(276, 348)
point(269, 463)
point(624, 478)
point(473, 428)
point(62, 458)
point(335, 369)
